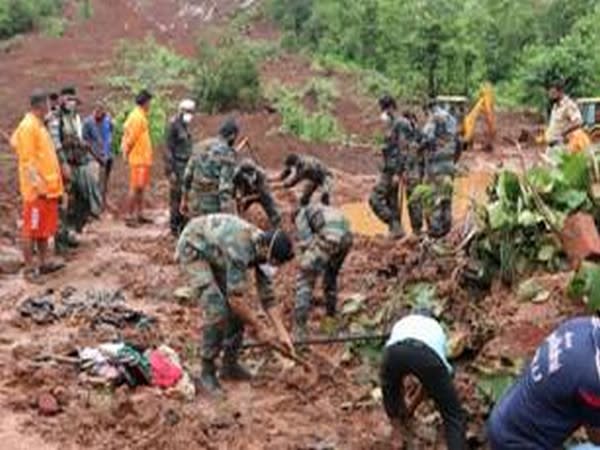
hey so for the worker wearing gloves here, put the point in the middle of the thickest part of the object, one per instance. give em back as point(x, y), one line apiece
point(558, 392)
point(417, 346)
point(216, 251)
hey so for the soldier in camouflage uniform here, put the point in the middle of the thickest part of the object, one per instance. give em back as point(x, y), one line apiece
point(399, 155)
point(306, 168)
point(216, 252)
point(208, 178)
point(443, 151)
point(250, 186)
point(84, 196)
point(177, 156)
point(325, 240)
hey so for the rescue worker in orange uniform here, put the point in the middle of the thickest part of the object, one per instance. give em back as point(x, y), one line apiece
point(40, 184)
point(137, 148)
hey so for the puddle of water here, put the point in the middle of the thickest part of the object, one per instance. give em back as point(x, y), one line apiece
point(473, 186)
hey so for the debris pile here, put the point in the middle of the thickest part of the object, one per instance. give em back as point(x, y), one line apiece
point(97, 308)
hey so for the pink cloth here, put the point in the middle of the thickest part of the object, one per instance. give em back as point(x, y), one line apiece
point(165, 373)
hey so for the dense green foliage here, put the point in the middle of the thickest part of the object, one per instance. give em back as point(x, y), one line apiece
point(520, 222)
point(306, 113)
point(147, 65)
point(17, 16)
point(227, 76)
point(428, 46)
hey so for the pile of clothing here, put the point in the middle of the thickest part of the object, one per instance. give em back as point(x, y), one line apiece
point(123, 363)
point(101, 307)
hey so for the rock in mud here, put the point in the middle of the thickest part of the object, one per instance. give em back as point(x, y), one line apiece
point(11, 260)
point(48, 405)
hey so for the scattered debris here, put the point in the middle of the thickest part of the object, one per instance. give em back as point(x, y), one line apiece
point(96, 307)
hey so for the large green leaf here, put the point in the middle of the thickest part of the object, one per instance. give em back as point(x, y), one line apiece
point(574, 168)
point(529, 218)
point(569, 199)
point(542, 179)
point(500, 217)
point(586, 285)
point(508, 188)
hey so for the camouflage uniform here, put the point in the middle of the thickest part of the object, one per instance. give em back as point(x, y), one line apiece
point(208, 179)
point(250, 185)
point(84, 196)
point(316, 175)
point(443, 152)
point(325, 240)
point(179, 151)
point(216, 251)
point(398, 159)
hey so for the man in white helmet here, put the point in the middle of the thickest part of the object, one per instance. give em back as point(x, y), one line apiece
point(179, 150)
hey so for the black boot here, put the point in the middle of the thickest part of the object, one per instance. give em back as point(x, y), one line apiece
point(234, 371)
point(208, 377)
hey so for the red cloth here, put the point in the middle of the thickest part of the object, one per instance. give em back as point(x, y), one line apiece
point(40, 218)
point(164, 372)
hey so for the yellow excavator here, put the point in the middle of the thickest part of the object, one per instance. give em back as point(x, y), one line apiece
point(484, 105)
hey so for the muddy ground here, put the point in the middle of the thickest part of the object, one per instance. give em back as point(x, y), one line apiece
point(282, 408)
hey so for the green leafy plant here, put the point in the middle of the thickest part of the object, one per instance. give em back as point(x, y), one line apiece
point(317, 126)
point(227, 76)
point(18, 16)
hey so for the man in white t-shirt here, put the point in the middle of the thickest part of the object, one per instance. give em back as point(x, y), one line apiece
point(417, 347)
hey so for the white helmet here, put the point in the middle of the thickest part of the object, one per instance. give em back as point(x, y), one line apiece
point(187, 105)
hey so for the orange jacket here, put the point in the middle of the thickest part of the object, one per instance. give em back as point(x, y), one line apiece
point(136, 139)
point(39, 170)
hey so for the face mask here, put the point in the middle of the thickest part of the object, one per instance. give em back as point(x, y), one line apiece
point(187, 117)
point(268, 270)
point(71, 105)
point(386, 118)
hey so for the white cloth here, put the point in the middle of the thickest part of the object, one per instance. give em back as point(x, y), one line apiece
point(422, 329)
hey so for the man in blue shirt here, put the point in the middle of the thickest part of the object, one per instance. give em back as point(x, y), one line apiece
point(558, 392)
point(417, 346)
point(98, 132)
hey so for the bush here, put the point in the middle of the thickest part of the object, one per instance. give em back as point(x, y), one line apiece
point(227, 77)
point(18, 16)
point(319, 126)
point(150, 65)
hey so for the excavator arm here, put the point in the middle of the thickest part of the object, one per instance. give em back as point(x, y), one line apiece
point(485, 106)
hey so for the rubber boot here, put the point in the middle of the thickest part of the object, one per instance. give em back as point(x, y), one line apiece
point(208, 377)
point(330, 306)
point(300, 328)
point(234, 371)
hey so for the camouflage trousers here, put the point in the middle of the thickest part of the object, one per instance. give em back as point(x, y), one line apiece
point(415, 205)
point(384, 198)
point(439, 221)
point(222, 330)
point(310, 187)
point(321, 257)
point(177, 221)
